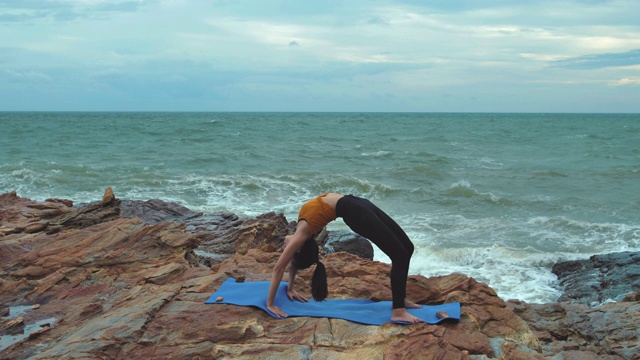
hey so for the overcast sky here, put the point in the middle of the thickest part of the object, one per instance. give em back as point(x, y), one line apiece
point(358, 55)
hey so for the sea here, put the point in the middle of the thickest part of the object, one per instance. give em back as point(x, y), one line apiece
point(499, 197)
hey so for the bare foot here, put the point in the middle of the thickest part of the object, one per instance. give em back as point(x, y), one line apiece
point(402, 316)
point(411, 305)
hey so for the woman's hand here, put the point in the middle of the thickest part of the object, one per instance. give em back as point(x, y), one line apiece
point(293, 295)
point(277, 312)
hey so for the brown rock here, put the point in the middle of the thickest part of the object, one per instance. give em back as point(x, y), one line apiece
point(442, 315)
point(91, 309)
point(111, 287)
point(270, 227)
point(23, 215)
point(108, 196)
point(66, 202)
point(238, 236)
point(35, 227)
point(8, 326)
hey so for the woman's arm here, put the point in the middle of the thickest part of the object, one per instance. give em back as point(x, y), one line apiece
point(278, 271)
point(291, 293)
point(292, 245)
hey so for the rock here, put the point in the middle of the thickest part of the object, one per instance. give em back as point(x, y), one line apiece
point(66, 202)
point(442, 315)
point(610, 330)
point(91, 309)
point(27, 216)
point(349, 242)
point(600, 278)
point(31, 217)
point(212, 223)
point(11, 326)
point(156, 211)
point(108, 196)
point(269, 228)
point(86, 216)
point(576, 355)
point(116, 287)
point(632, 297)
point(35, 227)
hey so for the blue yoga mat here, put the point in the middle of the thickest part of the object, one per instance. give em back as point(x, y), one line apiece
point(362, 311)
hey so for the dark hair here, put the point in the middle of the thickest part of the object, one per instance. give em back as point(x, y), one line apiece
point(308, 255)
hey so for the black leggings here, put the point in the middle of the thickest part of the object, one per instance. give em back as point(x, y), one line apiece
point(366, 219)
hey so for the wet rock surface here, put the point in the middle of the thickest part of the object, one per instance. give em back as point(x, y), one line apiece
point(343, 241)
point(156, 211)
point(117, 286)
point(578, 331)
point(601, 278)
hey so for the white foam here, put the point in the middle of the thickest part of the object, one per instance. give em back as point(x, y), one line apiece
point(377, 153)
point(461, 184)
point(247, 195)
point(513, 274)
point(488, 163)
point(513, 256)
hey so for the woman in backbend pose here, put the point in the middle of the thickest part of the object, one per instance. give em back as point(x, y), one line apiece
point(363, 217)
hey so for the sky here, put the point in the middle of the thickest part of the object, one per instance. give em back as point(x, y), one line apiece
point(359, 55)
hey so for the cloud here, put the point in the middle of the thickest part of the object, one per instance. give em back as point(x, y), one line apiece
point(596, 61)
point(625, 81)
point(127, 53)
point(60, 10)
point(26, 76)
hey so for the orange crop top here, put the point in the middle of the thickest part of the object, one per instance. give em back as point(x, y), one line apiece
point(317, 214)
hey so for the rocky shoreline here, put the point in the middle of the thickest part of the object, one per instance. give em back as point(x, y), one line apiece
point(127, 279)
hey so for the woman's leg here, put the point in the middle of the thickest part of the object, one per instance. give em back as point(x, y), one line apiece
point(368, 220)
point(407, 245)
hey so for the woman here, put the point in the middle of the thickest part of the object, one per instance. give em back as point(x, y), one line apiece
point(363, 217)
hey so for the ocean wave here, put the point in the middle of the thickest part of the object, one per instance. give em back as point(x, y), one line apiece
point(354, 185)
point(420, 172)
point(549, 173)
point(252, 195)
point(381, 153)
point(600, 237)
point(464, 189)
point(624, 173)
point(547, 234)
point(488, 163)
point(513, 255)
point(514, 273)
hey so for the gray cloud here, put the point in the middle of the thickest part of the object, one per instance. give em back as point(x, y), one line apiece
point(222, 54)
point(32, 10)
point(26, 76)
point(597, 61)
